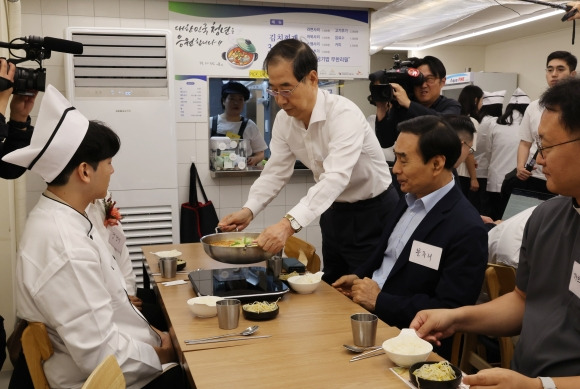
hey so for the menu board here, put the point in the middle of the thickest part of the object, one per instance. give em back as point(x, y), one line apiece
point(191, 98)
point(232, 41)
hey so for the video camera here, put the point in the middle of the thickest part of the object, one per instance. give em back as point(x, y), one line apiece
point(36, 49)
point(403, 73)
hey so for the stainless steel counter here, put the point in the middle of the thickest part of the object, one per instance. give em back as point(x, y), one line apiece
point(252, 171)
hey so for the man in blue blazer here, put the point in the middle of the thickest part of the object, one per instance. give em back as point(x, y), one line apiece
point(434, 248)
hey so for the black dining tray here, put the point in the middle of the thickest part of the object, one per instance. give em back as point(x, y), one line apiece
point(244, 283)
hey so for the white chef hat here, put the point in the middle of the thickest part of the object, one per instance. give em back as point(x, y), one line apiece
point(493, 97)
point(519, 97)
point(58, 132)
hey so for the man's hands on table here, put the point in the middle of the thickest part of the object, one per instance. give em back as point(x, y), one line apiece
point(501, 379)
point(363, 292)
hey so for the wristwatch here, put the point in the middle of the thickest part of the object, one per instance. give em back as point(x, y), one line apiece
point(293, 222)
point(548, 383)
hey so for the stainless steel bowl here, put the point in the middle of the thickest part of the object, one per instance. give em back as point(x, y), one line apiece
point(234, 255)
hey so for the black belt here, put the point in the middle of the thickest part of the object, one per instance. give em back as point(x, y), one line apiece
point(361, 203)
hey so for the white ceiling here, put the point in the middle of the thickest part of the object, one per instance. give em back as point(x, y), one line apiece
point(420, 23)
point(407, 24)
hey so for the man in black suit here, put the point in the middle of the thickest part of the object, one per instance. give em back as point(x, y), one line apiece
point(433, 251)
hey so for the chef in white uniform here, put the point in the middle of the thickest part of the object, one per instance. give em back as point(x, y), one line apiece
point(66, 276)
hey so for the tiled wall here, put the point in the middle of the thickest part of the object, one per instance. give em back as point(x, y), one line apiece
point(51, 17)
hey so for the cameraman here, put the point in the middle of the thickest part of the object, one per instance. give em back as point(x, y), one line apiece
point(386, 138)
point(426, 100)
point(17, 132)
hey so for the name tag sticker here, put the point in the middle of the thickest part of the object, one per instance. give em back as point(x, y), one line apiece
point(116, 238)
point(425, 254)
point(575, 280)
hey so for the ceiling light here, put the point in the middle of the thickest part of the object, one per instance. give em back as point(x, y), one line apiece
point(477, 33)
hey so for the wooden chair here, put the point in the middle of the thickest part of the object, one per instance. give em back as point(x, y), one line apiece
point(37, 348)
point(294, 247)
point(499, 280)
point(107, 375)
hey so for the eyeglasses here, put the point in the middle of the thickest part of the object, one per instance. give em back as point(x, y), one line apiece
point(430, 80)
point(471, 149)
point(542, 148)
point(284, 93)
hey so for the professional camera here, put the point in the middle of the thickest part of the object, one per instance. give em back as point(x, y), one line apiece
point(37, 49)
point(403, 73)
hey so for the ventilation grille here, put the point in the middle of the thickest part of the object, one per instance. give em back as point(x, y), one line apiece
point(146, 226)
point(121, 61)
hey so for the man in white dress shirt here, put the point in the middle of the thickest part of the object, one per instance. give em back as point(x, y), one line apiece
point(560, 65)
point(66, 276)
point(330, 135)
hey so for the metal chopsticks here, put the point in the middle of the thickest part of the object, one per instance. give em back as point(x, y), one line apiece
point(368, 354)
point(192, 342)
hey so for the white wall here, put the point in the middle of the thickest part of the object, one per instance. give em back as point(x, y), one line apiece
point(456, 58)
point(527, 57)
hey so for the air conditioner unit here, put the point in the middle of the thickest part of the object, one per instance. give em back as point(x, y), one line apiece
point(124, 79)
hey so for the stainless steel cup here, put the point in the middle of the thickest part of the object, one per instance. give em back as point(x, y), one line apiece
point(168, 267)
point(364, 329)
point(228, 311)
point(275, 266)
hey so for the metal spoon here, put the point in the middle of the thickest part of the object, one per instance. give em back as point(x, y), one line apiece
point(246, 332)
point(359, 349)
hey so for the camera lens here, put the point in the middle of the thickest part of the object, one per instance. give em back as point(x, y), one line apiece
point(381, 92)
point(27, 80)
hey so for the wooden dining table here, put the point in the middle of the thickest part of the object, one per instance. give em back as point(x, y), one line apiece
point(304, 350)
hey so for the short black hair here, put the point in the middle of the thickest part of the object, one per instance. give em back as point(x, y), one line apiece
point(564, 97)
point(565, 56)
point(99, 143)
point(461, 124)
point(467, 99)
point(434, 63)
point(299, 53)
point(436, 137)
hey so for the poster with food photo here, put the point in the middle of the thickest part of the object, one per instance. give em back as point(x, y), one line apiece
point(232, 41)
